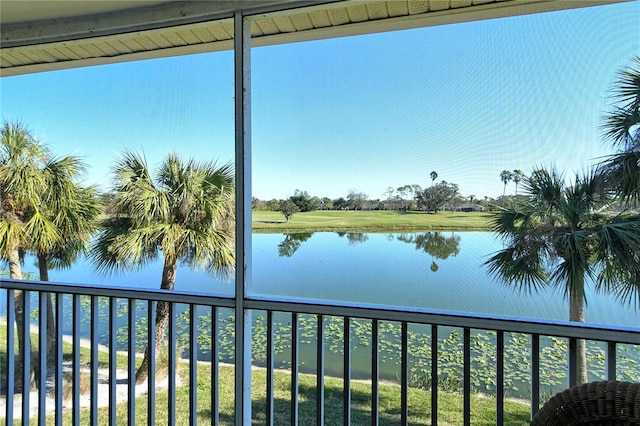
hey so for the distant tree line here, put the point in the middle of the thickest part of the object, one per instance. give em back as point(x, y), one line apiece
point(442, 196)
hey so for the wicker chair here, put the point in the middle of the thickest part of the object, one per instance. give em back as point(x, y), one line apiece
point(596, 403)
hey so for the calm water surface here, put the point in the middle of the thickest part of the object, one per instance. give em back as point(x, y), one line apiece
point(422, 270)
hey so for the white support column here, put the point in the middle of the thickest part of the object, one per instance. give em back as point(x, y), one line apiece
point(242, 77)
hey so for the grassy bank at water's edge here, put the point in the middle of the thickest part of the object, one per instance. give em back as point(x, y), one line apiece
point(374, 220)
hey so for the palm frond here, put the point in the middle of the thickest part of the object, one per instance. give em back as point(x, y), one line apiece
point(619, 257)
point(519, 265)
point(12, 235)
point(623, 174)
point(43, 233)
point(184, 213)
point(618, 124)
point(114, 248)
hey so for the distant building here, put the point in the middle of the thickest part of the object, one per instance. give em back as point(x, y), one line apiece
point(468, 207)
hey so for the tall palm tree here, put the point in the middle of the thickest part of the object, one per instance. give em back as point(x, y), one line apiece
point(561, 238)
point(517, 177)
point(434, 176)
point(622, 130)
point(74, 210)
point(184, 214)
point(505, 177)
point(25, 188)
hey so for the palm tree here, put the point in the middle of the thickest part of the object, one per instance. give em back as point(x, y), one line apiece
point(25, 189)
point(517, 177)
point(560, 238)
point(505, 177)
point(622, 130)
point(20, 157)
point(434, 176)
point(74, 211)
point(184, 214)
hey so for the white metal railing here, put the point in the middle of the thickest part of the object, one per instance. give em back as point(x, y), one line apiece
point(117, 318)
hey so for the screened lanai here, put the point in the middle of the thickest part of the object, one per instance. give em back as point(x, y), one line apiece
point(43, 36)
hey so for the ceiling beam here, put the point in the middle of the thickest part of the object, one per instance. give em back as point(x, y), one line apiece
point(128, 20)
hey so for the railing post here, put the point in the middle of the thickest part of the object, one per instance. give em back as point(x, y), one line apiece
point(43, 350)
point(215, 399)
point(171, 357)
point(75, 307)
point(535, 374)
point(270, 370)
point(375, 371)
point(131, 363)
point(611, 360)
point(434, 375)
point(151, 366)
point(193, 366)
point(404, 373)
point(113, 366)
point(500, 378)
point(11, 365)
point(346, 396)
point(466, 377)
point(573, 362)
point(26, 354)
point(94, 361)
point(59, 356)
point(319, 371)
point(295, 368)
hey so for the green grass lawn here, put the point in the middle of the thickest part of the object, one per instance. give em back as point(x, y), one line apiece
point(376, 220)
point(450, 404)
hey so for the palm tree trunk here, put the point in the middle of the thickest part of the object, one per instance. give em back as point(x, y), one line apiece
point(15, 272)
point(576, 313)
point(43, 268)
point(162, 318)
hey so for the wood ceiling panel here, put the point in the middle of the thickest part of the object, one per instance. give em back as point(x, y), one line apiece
point(436, 5)
point(67, 53)
point(377, 10)
point(302, 22)
point(338, 16)
point(148, 43)
point(189, 37)
point(320, 18)
point(460, 3)
point(175, 39)
point(398, 8)
point(107, 48)
point(358, 13)
point(284, 24)
point(317, 21)
point(418, 7)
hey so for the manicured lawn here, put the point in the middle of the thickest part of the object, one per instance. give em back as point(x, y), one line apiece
point(377, 220)
point(450, 404)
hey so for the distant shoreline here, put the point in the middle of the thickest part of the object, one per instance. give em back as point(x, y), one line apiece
point(369, 221)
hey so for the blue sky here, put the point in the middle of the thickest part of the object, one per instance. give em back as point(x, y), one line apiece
point(364, 113)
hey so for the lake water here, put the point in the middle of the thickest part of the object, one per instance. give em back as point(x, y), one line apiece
point(422, 270)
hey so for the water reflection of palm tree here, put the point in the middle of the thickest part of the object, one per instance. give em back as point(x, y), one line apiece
point(435, 244)
point(292, 243)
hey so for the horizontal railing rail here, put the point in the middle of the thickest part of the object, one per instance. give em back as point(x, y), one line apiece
point(559, 328)
point(82, 303)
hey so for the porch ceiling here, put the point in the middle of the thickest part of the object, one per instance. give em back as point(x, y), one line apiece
point(49, 35)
